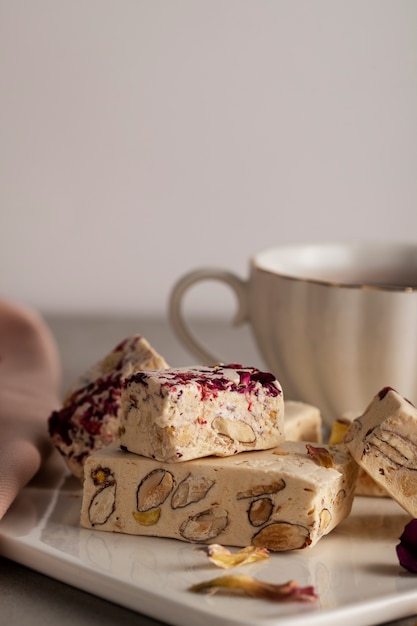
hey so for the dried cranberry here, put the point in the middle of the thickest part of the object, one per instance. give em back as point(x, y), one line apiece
point(384, 391)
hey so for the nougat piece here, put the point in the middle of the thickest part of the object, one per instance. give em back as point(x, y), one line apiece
point(302, 422)
point(186, 413)
point(282, 499)
point(365, 484)
point(383, 441)
point(89, 417)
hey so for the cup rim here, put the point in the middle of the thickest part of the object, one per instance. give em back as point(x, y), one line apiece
point(347, 246)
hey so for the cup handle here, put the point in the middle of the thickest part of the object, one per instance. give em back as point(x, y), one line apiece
point(177, 318)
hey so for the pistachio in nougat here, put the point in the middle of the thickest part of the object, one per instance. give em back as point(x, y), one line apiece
point(179, 414)
point(282, 499)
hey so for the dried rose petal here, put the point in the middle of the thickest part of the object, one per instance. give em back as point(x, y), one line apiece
point(320, 455)
point(248, 586)
point(339, 429)
point(407, 548)
point(224, 558)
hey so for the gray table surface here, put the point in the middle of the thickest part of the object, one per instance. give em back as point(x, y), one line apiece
point(33, 599)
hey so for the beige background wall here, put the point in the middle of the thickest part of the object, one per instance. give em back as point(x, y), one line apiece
point(139, 139)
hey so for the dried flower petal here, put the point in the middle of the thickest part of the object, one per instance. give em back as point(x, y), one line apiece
point(339, 429)
point(407, 548)
point(248, 586)
point(321, 456)
point(213, 549)
point(224, 558)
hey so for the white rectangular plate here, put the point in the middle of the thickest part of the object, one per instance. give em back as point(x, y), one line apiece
point(354, 570)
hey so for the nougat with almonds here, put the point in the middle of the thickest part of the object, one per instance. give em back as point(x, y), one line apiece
point(282, 499)
point(180, 414)
point(89, 417)
point(383, 441)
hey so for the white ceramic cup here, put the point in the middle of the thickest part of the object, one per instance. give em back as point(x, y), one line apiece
point(334, 322)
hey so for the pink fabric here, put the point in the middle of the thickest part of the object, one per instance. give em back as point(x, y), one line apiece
point(29, 390)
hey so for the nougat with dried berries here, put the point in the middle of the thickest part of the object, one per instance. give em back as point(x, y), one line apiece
point(89, 417)
point(186, 413)
point(383, 441)
point(282, 499)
